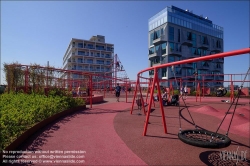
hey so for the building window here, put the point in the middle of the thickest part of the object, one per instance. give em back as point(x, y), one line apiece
point(199, 51)
point(205, 64)
point(151, 72)
point(107, 56)
point(218, 66)
point(204, 52)
point(190, 72)
point(194, 65)
point(171, 45)
point(163, 72)
point(151, 50)
point(189, 36)
point(151, 38)
point(194, 39)
point(157, 34)
point(156, 60)
point(213, 43)
point(218, 44)
point(163, 48)
point(89, 61)
point(100, 62)
point(199, 38)
point(171, 33)
point(177, 70)
point(204, 40)
point(171, 59)
point(179, 35)
point(80, 45)
point(194, 51)
point(79, 60)
point(157, 48)
point(90, 46)
point(177, 47)
point(81, 52)
point(100, 47)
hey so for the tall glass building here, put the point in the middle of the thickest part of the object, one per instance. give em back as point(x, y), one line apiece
point(176, 34)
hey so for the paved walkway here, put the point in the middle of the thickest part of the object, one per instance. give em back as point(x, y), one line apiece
point(90, 130)
point(110, 135)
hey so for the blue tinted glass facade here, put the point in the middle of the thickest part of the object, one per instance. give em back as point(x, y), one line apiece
point(186, 19)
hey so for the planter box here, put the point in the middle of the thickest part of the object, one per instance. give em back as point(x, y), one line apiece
point(15, 144)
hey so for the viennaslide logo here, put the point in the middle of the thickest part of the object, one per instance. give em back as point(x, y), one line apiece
point(234, 155)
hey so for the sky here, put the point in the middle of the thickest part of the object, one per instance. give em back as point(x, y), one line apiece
point(40, 31)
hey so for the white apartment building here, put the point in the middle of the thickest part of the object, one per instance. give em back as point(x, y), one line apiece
point(93, 55)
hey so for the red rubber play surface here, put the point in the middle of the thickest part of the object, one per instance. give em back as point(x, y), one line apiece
point(110, 135)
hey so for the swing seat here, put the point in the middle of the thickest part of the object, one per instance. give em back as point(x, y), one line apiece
point(204, 138)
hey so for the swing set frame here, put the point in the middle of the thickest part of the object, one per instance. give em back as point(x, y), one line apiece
point(155, 82)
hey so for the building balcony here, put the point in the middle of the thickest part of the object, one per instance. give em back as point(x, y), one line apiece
point(187, 42)
point(202, 46)
point(99, 63)
point(160, 40)
point(152, 55)
point(88, 47)
point(173, 52)
point(106, 56)
point(215, 49)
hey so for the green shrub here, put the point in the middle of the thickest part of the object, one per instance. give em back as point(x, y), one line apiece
point(176, 92)
point(19, 112)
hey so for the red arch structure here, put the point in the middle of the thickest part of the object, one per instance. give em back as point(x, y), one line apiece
point(155, 81)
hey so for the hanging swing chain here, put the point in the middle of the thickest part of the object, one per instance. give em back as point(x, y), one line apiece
point(237, 97)
point(183, 102)
point(181, 97)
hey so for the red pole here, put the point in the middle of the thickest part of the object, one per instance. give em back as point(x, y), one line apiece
point(133, 102)
point(150, 103)
point(142, 101)
point(161, 104)
point(232, 89)
point(149, 84)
